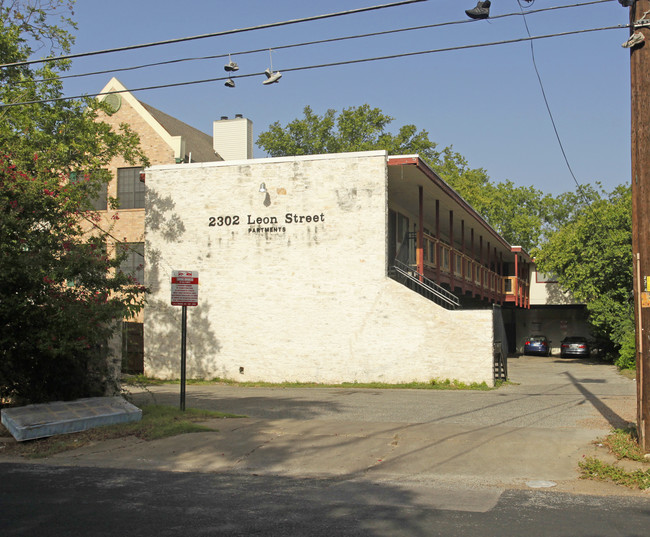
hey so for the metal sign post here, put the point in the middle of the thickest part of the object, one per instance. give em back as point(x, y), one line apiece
point(183, 355)
point(185, 292)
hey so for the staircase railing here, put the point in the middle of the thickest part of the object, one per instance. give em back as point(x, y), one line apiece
point(424, 286)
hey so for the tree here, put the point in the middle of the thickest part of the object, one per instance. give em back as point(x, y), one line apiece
point(592, 258)
point(355, 129)
point(61, 291)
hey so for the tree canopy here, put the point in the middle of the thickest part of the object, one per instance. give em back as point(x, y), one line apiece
point(355, 129)
point(592, 257)
point(62, 291)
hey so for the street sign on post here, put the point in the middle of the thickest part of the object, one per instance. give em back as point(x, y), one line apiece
point(185, 288)
point(185, 292)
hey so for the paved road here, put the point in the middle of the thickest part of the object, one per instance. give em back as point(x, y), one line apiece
point(349, 462)
point(96, 502)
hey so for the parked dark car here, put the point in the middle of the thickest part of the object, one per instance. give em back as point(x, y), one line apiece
point(574, 346)
point(537, 345)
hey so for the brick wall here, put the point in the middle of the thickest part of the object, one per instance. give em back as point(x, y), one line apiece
point(303, 295)
point(127, 225)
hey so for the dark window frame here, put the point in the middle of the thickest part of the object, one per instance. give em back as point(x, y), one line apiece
point(133, 265)
point(130, 190)
point(99, 202)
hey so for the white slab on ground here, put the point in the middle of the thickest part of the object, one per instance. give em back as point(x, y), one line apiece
point(60, 417)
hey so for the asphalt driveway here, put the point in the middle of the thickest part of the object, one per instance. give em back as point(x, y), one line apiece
point(545, 392)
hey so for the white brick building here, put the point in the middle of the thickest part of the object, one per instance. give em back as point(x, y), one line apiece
point(295, 255)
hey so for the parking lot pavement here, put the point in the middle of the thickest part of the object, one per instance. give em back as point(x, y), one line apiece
point(536, 429)
point(545, 392)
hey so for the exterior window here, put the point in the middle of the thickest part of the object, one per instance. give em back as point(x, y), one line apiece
point(134, 262)
point(445, 259)
point(132, 348)
point(99, 202)
point(130, 190)
point(459, 264)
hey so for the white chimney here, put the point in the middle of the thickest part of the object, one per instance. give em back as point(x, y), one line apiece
point(232, 139)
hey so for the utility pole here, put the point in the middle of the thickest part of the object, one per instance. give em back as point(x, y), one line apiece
point(640, 126)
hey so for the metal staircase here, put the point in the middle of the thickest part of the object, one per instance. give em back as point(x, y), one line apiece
point(415, 281)
point(405, 272)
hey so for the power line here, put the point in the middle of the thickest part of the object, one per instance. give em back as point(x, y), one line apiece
point(215, 34)
point(320, 41)
point(548, 107)
point(324, 65)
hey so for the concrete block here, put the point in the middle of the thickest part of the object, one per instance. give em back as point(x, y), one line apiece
point(61, 417)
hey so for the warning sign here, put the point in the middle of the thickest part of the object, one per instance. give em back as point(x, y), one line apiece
point(185, 288)
point(645, 299)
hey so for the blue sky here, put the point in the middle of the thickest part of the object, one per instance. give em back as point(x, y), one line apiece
point(486, 102)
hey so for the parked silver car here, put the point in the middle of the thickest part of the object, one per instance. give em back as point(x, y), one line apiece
point(574, 346)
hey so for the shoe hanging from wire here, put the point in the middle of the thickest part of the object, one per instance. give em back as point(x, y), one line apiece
point(637, 38)
point(271, 76)
point(481, 11)
point(231, 66)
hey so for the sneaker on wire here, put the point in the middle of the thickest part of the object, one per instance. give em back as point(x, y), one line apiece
point(481, 11)
point(271, 77)
point(231, 66)
point(635, 39)
point(230, 83)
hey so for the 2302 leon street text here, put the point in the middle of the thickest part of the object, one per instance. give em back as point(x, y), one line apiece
point(251, 220)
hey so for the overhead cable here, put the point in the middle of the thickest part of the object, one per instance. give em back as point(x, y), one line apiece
point(324, 65)
point(319, 42)
point(214, 34)
point(548, 106)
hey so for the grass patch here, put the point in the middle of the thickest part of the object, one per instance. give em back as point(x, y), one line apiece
point(623, 443)
point(447, 384)
point(593, 468)
point(157, 422)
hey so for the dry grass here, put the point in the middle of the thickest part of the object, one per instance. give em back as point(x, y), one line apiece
point(157, 422)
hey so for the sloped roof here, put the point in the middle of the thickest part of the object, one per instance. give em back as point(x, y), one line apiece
point(196, 142)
